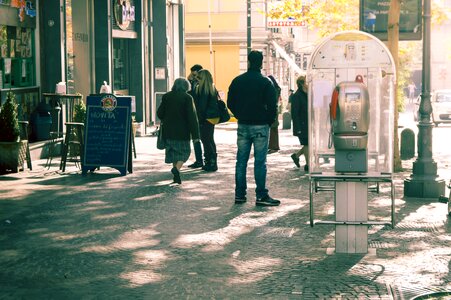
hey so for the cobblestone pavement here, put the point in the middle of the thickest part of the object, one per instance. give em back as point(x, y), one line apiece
point(106, 236)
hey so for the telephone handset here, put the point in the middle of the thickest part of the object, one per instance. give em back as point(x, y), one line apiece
point(334, 104)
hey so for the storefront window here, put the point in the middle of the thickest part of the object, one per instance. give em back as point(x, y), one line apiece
point(16, 52)
point(69, 49)
point(120, 66)
point(17, 55)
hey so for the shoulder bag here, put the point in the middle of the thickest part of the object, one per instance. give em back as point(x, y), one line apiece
point(161, 143)
point(224, 115)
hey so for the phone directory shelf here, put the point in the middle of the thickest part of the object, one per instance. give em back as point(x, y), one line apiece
point(332, 177)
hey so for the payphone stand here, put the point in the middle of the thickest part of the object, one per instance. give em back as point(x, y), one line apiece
point(352, 66)
point(351, 206)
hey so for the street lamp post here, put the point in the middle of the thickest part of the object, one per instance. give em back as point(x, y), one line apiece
point(249, 27)
point(424, 181)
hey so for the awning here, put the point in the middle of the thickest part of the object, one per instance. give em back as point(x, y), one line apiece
point(287, 57)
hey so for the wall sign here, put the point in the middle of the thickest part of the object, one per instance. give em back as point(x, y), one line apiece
point(160, 73)
point(124, 13)
point(25, 8)
point(108, 133)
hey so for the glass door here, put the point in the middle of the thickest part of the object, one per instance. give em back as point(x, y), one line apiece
point(121, 66)
point(78, 66)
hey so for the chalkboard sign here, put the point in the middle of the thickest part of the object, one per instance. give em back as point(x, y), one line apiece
point(107, 133)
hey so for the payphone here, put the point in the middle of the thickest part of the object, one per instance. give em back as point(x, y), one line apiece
point(349, 67)
point(349, 114)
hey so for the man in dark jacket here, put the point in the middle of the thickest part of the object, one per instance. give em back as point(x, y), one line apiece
point(299, 115)
point(252, 100)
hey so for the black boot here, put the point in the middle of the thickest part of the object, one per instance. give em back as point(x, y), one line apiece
point(196, 164)
point(176, 174)
point(206, 163)
point(212, 164)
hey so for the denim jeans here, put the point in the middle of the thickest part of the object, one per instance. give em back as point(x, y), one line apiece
point(249, 135)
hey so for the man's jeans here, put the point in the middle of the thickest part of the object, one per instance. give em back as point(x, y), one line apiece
point(248, 135)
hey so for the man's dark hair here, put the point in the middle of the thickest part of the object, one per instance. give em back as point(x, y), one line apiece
point(255, 59)
point(196, 67)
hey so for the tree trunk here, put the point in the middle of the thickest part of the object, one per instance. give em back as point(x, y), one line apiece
point(393, 41)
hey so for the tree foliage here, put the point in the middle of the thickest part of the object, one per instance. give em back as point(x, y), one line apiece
point(324, 16)
point(330, 16)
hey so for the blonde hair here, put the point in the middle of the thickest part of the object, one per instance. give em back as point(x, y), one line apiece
point(300, 82)
point(205, 83)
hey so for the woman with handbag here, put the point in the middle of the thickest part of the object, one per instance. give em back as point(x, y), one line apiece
point(178, 115)
point(206, 101)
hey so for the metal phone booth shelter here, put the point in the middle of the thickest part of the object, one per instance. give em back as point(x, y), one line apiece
point(337, 63)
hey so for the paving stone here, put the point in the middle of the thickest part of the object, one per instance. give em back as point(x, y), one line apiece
point(106, 236)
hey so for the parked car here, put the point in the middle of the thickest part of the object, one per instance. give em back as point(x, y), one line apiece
point(441, 107)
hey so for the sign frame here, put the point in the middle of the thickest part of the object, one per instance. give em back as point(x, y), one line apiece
point(108, 133)
point(373, 19)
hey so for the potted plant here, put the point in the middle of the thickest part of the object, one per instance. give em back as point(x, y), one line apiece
point(80, 112)
point(79, 117)
point(12, 149)
point(135, 125)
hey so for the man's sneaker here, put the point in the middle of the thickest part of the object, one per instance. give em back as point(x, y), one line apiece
point(240, 200)
point(295, 160)
point(196, 164)
point(267, 201)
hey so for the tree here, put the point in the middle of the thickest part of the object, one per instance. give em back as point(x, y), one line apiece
point(393, 45)
point(328, 17)
point(438, 17)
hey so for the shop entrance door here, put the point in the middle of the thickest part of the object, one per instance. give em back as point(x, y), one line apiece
point(121, 74)
point(78, 47)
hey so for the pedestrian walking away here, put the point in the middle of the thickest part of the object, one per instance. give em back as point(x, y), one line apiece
point(178, 115)
point(299, 115)
point(273, 145)
point(205, 98)
point(192, 77)
point(412, 88)
point(253, 101)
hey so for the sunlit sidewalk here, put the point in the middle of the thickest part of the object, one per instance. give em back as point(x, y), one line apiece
point(106, 236)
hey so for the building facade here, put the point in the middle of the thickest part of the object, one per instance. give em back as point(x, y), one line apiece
point(217, 34)
point(135, 46)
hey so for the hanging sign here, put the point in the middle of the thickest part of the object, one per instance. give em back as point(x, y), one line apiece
point(284, 23)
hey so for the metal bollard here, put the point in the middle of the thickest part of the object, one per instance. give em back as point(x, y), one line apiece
point(443, 199)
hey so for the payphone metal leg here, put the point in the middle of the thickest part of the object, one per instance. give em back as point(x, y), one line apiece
point(351, 208)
